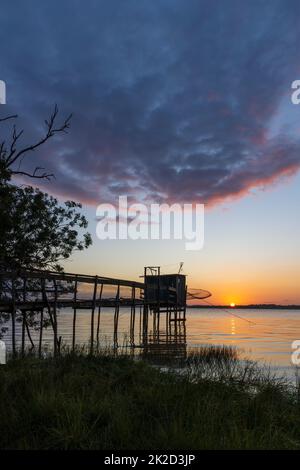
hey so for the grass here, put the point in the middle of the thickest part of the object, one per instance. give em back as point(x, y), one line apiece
point(104, 402)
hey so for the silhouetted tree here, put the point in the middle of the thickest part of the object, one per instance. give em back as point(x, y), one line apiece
point(36, 231)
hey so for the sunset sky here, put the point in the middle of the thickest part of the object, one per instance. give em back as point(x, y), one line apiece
point(173, 101)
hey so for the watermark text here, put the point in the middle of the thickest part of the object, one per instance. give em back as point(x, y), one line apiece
point(2, 92)
point(152, 222)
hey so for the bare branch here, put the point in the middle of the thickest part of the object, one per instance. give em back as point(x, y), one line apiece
point(35, 174)
point(51, 131)
point(13, 116)
point(15, 136)
point(11, 156)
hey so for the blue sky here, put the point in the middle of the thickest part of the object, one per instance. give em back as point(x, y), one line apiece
point(173, 101)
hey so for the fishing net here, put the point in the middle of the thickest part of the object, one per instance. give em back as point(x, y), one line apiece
point(198, 294)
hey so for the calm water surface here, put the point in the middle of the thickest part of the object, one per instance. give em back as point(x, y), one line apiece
point(268, 339)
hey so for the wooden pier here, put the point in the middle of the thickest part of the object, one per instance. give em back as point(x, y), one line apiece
point(159, 300)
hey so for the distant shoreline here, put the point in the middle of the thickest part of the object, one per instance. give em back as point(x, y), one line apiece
point(254, 306)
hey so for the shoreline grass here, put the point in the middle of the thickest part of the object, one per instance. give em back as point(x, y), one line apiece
point(77, 401)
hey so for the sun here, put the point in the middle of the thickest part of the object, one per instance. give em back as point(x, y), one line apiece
point(232, 304)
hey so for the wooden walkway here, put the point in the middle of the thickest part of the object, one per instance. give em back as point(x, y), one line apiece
point(42, 293)
point(24, 292)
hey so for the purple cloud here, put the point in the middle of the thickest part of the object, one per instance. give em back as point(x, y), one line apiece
point(172, 100)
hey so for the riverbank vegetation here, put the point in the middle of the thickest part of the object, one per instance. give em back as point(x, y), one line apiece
point(77, 401)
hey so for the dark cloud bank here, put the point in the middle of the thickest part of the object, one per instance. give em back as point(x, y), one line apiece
point(172, 100)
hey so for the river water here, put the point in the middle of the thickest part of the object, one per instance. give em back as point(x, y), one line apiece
point(265, 335)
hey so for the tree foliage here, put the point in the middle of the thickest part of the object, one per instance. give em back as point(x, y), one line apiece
point(36, 231)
